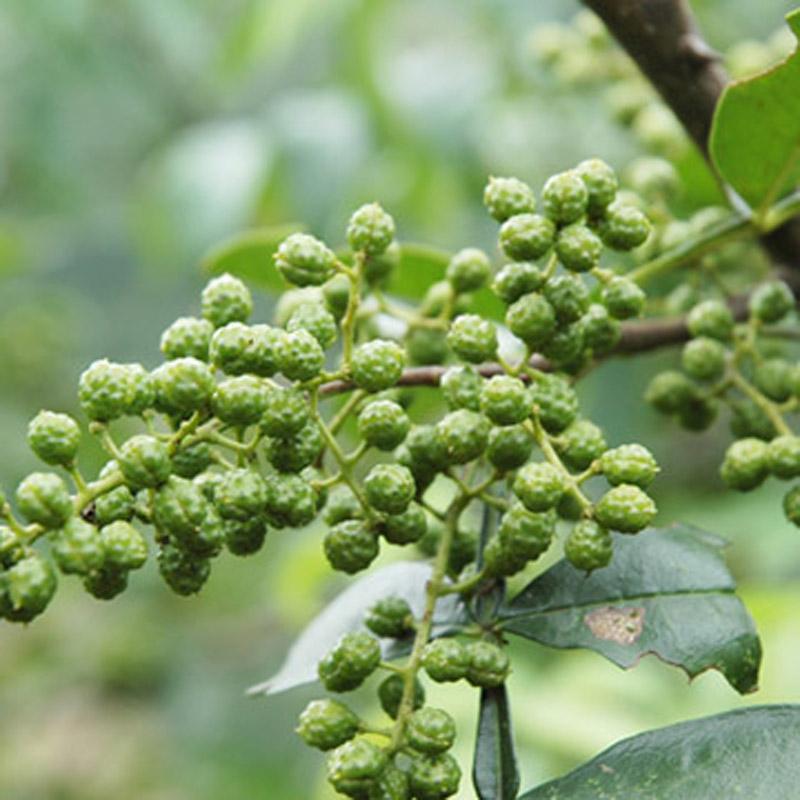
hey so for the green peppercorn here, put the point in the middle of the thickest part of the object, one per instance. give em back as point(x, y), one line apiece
point(526, 237)
point(601, 332)
point(669, 392)
point(578, 248)
point(294, 453)
point(431, 730)
point(54, 437)
point(791, 505)
point(390, 617)
point(771, 301)
point(350, 546)
point(383, 424)
point(565, 348)
point(304, 260)
point(342, 504)
point(783, 456)
point(29, 585)
point(187, 337)
point(565, 197)
point(240, 494)
point(144, 461)
point(179, 508)
point(240, 401)
point(237, 349)
point(106, 583)
point(473, 338)
point(354, 658)
point(526, 534)
point(465, 435)
point(516, 279)
point(434, 777)
point(652, 177)
point(600, 181)
point(377, 269)
point(749, 419)
point(488, 664)
point(42, 497)
point(355, 766)
point(509, 447)
point(104, 390)
point(539, 486)
point(625, 508)
point(623, 298)
point(507, 197)
point(505, 400)
point(624, 227)
point(629, 463)
point(588, 546)
point(555, 402)
point(317, 320)
point(183, 385)
point(286, 412)
point(392, 784)
point(704, 358)
point(580, 444)
point(426, 345)
point(445, 660)
point(745, 465)
point(568, 296)
point(774, 378)
point(301, 358)
point(76, 548)
point(389, 488)
point(426, 447)
point(336, 291)
point(290, 501)
point(711, 318)
point(190, 460)
point(532, 319)
point(468, 270)
point(244, 538)
point(405, 528)
point(124, 547)
point(326, 724)
point(183, 572)
point(698, 414)
point(370, 229)
point(377, 365)
point(226, 299)
point(114, 505)
point(390, 694)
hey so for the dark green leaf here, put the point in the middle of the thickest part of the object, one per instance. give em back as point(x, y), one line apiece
point(249, 255)
point(406, 579)
point(494, 770)
point(666, 592)
point(755, 138)
point(750, 753)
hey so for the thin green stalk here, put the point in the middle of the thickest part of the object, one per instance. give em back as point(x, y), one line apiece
point(764, 403)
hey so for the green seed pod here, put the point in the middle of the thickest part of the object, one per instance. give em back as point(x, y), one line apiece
point(290, 501)
point(532, 319)
point(294, 453)
point(377, 270)
point(669, 392)
point(469, 269)
point(565, 197)
point(426, 345)
point(783, 456)
point(488, 664)
point(304, 260)
point(354, 658)
point(526, 534)
point(378, 365)
point(500, 561)
point(749, 419)
point(624, 227)
point(336, 292)
point(505, 400)
point(226, 299)
point(370, 230)
point(426, 448)
point(355, 766)
point(189, 461)
point(431, 730)
point(588, 546)
point(184, 573)
point(629, 463)
point(509, 447)
point(106, 583)
point(473, 338)
point(301, 358)
point(286, 412)
point(745, 465)
point(771, 302)
point(568, 296)
point(317, 320)
point(445, 660)
point(244, 538)
point(144, 462)
point(240, 401)
point(539, 486)
point(182, 386)
point(564, 349)
point(241, 494)
point(580, 444)
point(342, 505)
point(774, 378)
point(179, 509)
point(434, 777)
point(383, 424)
point(623, 298)
point(601, 332)
point(555, 401)
point(390, 693)
point(516, 279)
point(54, 437)
point(104, 390)
point(390, 617)
point(114, 505)
point(711, 318)
point(390, 488)
point(405, 528)
point(791, 505)
point(392, 784)
point(625, 508)
point(601, 184)
point(465, 435)
point(77, 548)
point(526, 237)
point(124, 547)
point(237, 349)
point(350, 546)
point(704, 358)
point(508, 197)
point(29, 585)
point(578, 248)
point(698, 414)
point(43, 497)
point(326, 724)
point(208, 482)
point(187, 337)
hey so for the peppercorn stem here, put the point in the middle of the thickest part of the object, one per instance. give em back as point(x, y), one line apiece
point(764, 403)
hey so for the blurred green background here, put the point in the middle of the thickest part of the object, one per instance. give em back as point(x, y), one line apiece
point(135, 134)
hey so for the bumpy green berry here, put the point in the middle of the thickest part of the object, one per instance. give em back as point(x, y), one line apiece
point(565, 197)
point(183, 385)
point(588, 546)
point(106, 583)
point(461, 387)
point(342, 504)
point(431, 730)
point(578, 248)
point(405, 528)
point(507, 197)
point(468, 270)
point(43, 497)
point(488, 664)
point(336, 291)
point(144, 461)
point(625, 508)
point(124, 547)
point(526, 534)
point(539, 486)
point(370, 229)
point(77, 548)
point(350, 546)
point(526, 237)
point(290, 501)
point(286, 412)
point(244, 538)
point(326, 724)
point(434, 777)
point(505, 400)
point(745, 465)
point(623, 298)
point(473, 338)
point(426, 345)
point(301, 358)
point(30, 585)
point(749, 419)
point(580, 444)
point(378, 365)
point(391, 617)
point(426, 447)
point(317, 320)
point(445, 660)
point(304, 260)
point(179, 508)
point(226, 299)
point(187, 337)
point(783, 456)
point(190, 460)
point(390, 694)
point(183, 572)
point(704, 358)
point(509, 447)
point(392, 784)
point(464, 434)
point(237, 349)
point(389, 488)
point(771, 301)
point(565, 347)
point(774, 378)
point(601, 183)
point(516, 279)
point(354, 658)
point(355, 766)
point(294, 453)
point(377, 269)
point(114, 505)
point(54, 437)
point(698, 414)
point(568, 296)
point(669, 392)
point(383, 424)
point(532, 319)
point(624, 227)
point(241, 494)
point(240, 401)
point(106, 390)
point(791, 505)
point(711, 318)
point(629, 463)
point(555, 401)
